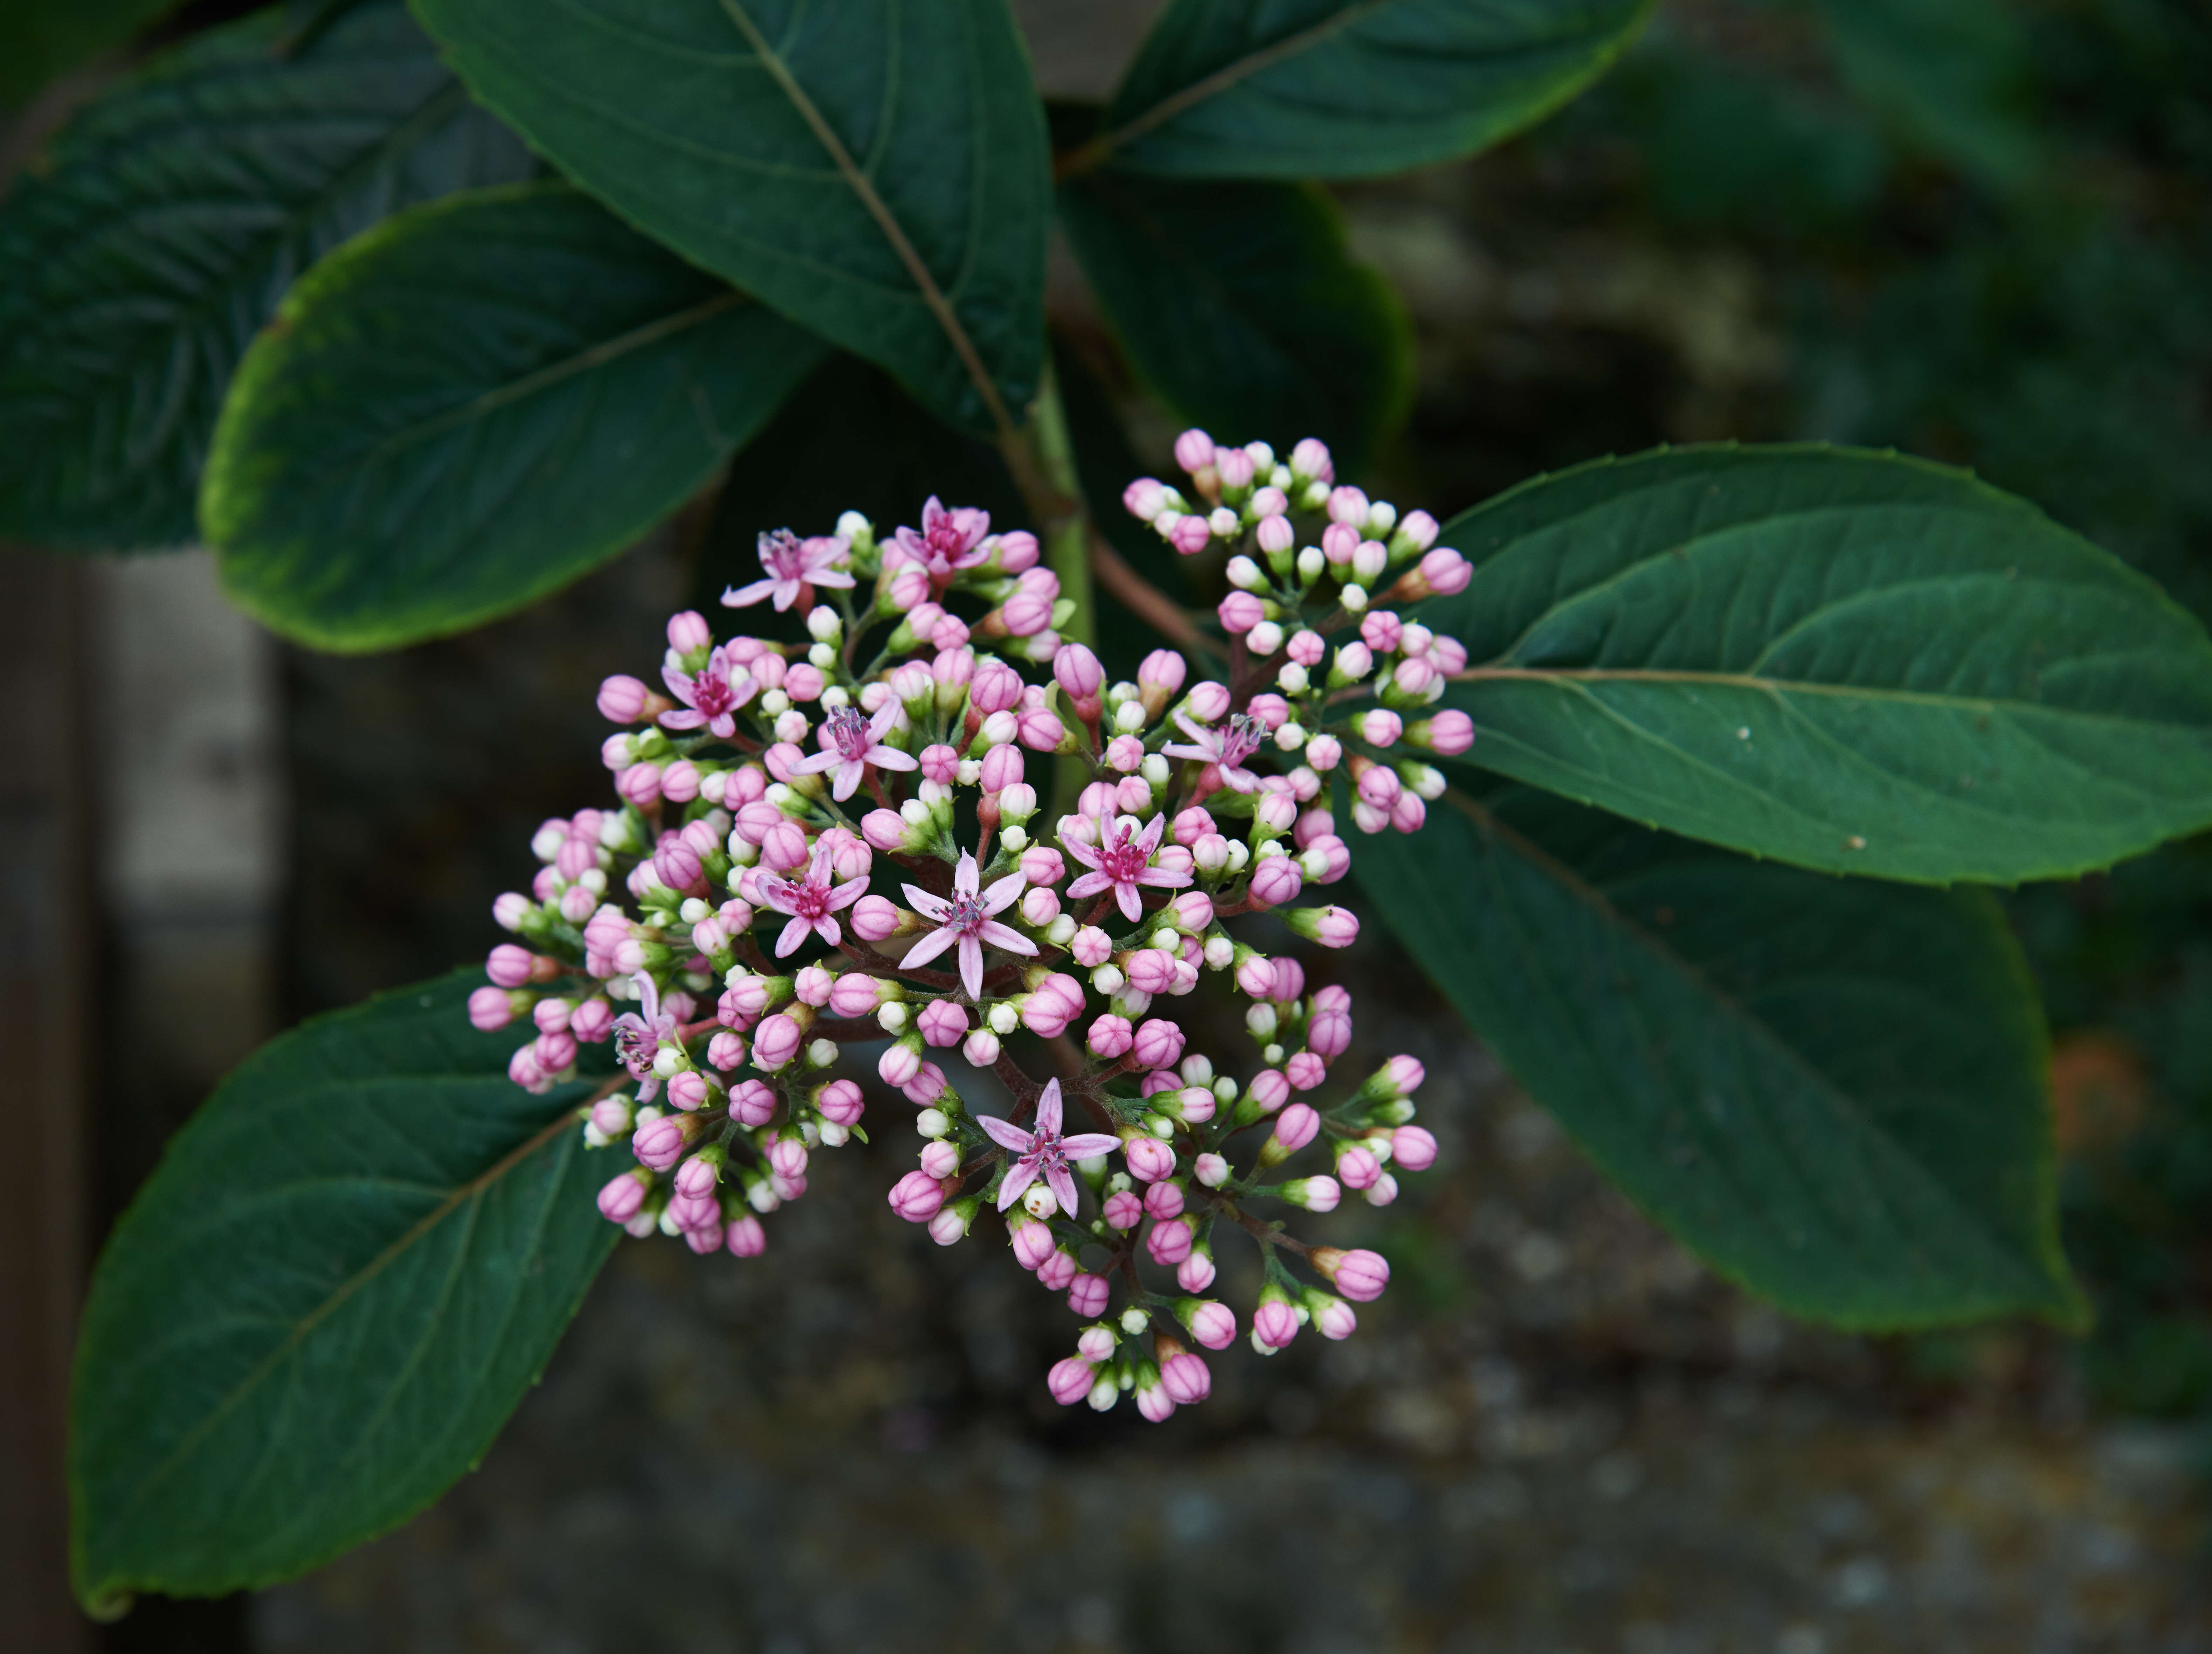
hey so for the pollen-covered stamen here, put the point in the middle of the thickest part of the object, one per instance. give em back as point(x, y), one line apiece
point(782, 555)
point(964, 915)
point(711, 691)
point(635, 1050)
point(1241, 738)
point(1121, 858)
point(847, 728)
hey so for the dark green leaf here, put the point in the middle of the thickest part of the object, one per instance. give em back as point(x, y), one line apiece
point(39, 38)
point(1240, 304)
point(1846, 659)
point(1348, 88)
point(472, 405)
point(136, 268)
point(876, 171)
point(319, 1310)
point(1835, 1090)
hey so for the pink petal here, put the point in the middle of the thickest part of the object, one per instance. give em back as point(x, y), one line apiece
point(1004, 892)
point(965, 874)
point(1019, 1177)
point(682, 718)
point(1080, 851)
point(827, 930)
point(793, 935)
point(929, 947)
point(786, 592)
point(1132, 909)
point(815, 763)
point(1190, 752)
point(928, 906)
point(847, 781)
point(1091, 884)
point(998, 936)
point(971, 967)
point(831, 577)
point(1149, 840)
point(1006, 1134)
point(1048, 1110)
point(1161, 877)
point(1088, 1145)
point(848, 893)
point(745, 596)
point(879, 726)
point(890, 757)
point(1062, 1183)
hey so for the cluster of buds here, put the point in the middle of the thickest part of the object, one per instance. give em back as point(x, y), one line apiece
point(730, 925)
point(1349, 704)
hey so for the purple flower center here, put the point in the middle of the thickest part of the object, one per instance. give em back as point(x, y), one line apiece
point(1044, 1149)
point(963, 914)
point(783, 556)
point(808, 899)
point(1244, 736)
point(1119, 859)
point(711, 692)
point(944, 539)
point(848, 734)
point(636, 1049)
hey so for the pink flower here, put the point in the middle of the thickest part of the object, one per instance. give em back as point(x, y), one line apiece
point(638, 1037)
point(949, 541)
point(1185, 1379)
point(1226, 749)
point(1212, 1324)
point(1120, 862)
point(1069, 1381)
point(1413, 1148)
point(1159, 1043)
point(745, 1238)
point(964, 919)
point(1086, 1294)
point(793, 566)
point(620, 1199)
point(1358, 1274)
point(1110, 1037)
point(710, 696)
point(943, 1023)
point(917, 1197)
point(1043, 1153)
point(1274, 1324)
point(851, 741)
point(810, 901)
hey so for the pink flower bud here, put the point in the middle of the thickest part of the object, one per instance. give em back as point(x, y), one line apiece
point(623, 700)
point(1270, 709)
point(591, 1021)
point(1069, 1381)
point(1194, 1274)
point(1159, 1043)
point(620, 1199)
point(1358, 1168)
point(1240, 612)
point(776, 1042)
point(1270, 1090)
point(1077, 672)
point(1160, 676)
point(510, 966)
point(491, 1009)
point(640, 784)
point(1041, 730)
point(1445, 572)
point(784, 847)
point(939, 763)
point(1002, 768)
point(1190, 535)
point(1447, 734)
point(612, 1117)
point(1091, 947)
point(1033, 1243)
point(1310, 460)
point(1018, 551)
point(1295, 1128)
point(1412, 1148)
point(1382, 1190)
point(1327, 860)
point(1040, 908)
point(1149, 1160)
point(917, 1197)
point(996, 687)
point(1046, 1012)
point(1275, 1324)
point(873, 918)
point(1304, 1071)
point(687, 631)
point(1332, 927)
point(840, 1102)
point(1275, 535)
point(1109, 1037)
point(1041, 865)
point(1163, 1200)
point(1186, 1378)
point(1213, 1325)
point(1169, 1243)
point(1255, 977)
point(899, 1064)
point(1151, 970)
point(1380, 727)
point(1339, 541)
point(689, 1090)
point(1193, 450)
point(1144, 499)
point(704, 1236)
point(1276, 879)
point(786, 1159)
point(752, 1103)
point(745, 1238)
point(696, 1177)
point(659, 1144)
point(1407, 814)
point(1123, 1210)
point(1360, 1275)
point(1329, 1032)
point(1348, 505)
point(943, 1023)
point(1086, 1294)
point(1333, 1318)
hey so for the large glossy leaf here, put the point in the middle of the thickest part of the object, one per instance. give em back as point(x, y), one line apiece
point(1835, 1090)
point(876, 171)
point(472, 405)
point(1846, 659)
point(1241, 304)
point(39, 38)
point(347, 1269)
point(138, 264)
point(1348, 88)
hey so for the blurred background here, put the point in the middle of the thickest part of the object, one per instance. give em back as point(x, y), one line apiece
point(1980, 231)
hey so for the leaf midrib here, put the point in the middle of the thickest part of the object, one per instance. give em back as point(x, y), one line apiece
point(1582, 891)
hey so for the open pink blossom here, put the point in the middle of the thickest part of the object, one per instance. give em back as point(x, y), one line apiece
point(964, 919)
point(793, 566)
point(1226, 748)
point(851, 742)
point(710, 696)
point(949, 541)
point(638, 1037)
point(1120, 862)
point(811, 901)
point(1043, 1153)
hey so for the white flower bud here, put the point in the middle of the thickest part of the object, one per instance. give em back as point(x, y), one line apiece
point(1108, 978)
point(1353, 597)
point(914, 812)
point(793, 727)
point(1128, 719)
point(1239, 855)
point(823, 623)
point(1311, 563)
point(1059, 932)
point(822, 657)
point(1134, 1321)
point(1291, 680)
point(1155, 770)
point(668, 1060)
point(822, 1053)
point(1264, 639)
point(693, 910)
point(852, 526)
point(835, 1135)
point(1040, 1202)
point(1224, 1090)
point(1219, 951)
point(833, 697)
point(1130, 1002)
point(1014, 837)
point(1004, 1019)
point(1291, 736)
point(1225, 523)
point(1166, 939)
point(1271, 1055)
point(1381, 518)
point(1259, 1020)
point(1001, 727)
point(1196, 1070)
point(932, 1123)
point(1018, 803)
point(1244, 573)
point(891, 1018)
point(775, 703)
point(970, 772)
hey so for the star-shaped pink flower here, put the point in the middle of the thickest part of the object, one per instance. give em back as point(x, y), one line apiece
point(1043, 1153)
point(964, 918)
point(637, 1038)
point(810, 901)
point(1122, 862)
point(851, 741)
point(710, 696)
point(793, 566)
point(1226, 748)
point(948, 541)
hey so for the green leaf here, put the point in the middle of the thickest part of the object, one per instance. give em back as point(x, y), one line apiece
point(1834, 1091)
point(39, 38)
point(876, 171)
point(1348, 88)
point(1846, 659)
point(135, 266)
point(346, 1271)
point(1242, 307)
point(472, 405)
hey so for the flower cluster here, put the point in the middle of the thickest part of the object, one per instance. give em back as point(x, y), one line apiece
point(731, 924)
